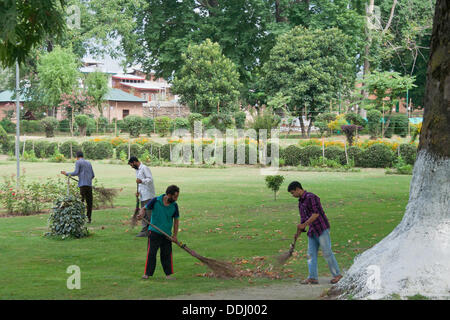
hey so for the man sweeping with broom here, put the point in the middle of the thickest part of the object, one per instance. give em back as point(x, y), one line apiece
point(313, 216)
point(163, 212)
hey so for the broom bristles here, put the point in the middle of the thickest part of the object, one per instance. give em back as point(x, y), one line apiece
point(282, 258)
point(220, 268)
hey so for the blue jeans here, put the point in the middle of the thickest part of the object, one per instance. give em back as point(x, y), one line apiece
point(323, 242)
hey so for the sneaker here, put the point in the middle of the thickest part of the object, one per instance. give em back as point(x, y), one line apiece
point(145, 277)
point(336, 279)
point(309, 281)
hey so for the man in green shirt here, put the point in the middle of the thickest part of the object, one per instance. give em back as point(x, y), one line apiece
point(163, 212)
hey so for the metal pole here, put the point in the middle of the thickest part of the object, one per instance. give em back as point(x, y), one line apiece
point(17, 124)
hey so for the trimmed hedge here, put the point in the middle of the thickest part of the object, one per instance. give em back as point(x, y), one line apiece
point(135, 149)
point(97, 150)
point(309, 152)
point(354, 153)
point(377, 156)
point(291, 155)
point(408, 152)
point(65, 149)
point(336, 153)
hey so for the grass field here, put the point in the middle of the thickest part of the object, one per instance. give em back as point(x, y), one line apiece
point(226, 214)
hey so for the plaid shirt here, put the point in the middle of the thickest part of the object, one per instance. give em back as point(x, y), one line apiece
point(308, 204)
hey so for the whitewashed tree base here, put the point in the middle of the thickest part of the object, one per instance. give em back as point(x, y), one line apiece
point(415, 257)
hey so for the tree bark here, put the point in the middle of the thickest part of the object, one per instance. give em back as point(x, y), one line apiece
point(415, 257)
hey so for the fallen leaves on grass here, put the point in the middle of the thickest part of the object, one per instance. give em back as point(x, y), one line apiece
point(255, 267)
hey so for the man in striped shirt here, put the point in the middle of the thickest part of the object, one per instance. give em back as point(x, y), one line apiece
point(313, 216)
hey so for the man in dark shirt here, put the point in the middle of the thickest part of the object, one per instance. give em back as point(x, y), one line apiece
point(164, 214)
point(83, 169)
point(312, 215)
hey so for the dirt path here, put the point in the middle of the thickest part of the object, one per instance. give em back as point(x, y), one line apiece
point(293, 291)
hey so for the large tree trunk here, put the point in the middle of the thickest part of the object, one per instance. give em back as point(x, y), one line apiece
point(415, 257)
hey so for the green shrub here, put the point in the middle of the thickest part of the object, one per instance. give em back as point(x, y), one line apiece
point(336, 153)
point(373, 122)
point(292, 155)
point(97, 150)
point(135, 149)
point(408, 152)
point(88, 148)
point(221, 121)
point(40, 148)
point(377, 156)
point(149, 126)
point(68, 218)
point(152, 148)
point(50, 124)
point(326, 117)
point(50, 149)
point(354, 154)
point(274, 183)
point(103, 150)
point(8, 125)
point(309, 153)
point(57, 156)
point(239, 119)
point(134, 125)
point(163, 126)
point(82, 122)
point(64, 148)
point(91, 126)
point(322, 126)
point(322, 162)
point(399, 124)
point(3, 136)
point(64, 125)
point(356, 119)
point(164, 152)
point(31, 126)
point(181, 123)
point(102, 123)
point(192, 118)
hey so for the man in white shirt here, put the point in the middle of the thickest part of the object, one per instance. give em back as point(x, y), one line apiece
point(146, 189)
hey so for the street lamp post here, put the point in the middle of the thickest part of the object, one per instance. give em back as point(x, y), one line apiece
point(17, 125)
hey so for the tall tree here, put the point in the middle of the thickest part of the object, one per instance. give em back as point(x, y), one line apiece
point(309, 68)
point(208, 82)
point(414, 258)
point(97, 87)
point(24, 24)
point(407, 48)
point(58, 74)
point(388, 88)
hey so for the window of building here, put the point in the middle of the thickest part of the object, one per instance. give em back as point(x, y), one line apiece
point(125, 112)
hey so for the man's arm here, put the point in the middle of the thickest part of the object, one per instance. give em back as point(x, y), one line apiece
point(175, 228)
point(75, 173)
point(147, 176)
point(308, 222)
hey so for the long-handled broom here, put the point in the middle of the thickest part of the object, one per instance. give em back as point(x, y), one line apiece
point(222, 269)
point(282, 258)
point(134, 218)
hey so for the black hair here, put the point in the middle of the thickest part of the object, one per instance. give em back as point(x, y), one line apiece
point(79, 154)
point(294, 185)
point(172, 189)
point(133, 159)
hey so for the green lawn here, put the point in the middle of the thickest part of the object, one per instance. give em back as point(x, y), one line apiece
point(224, 214)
